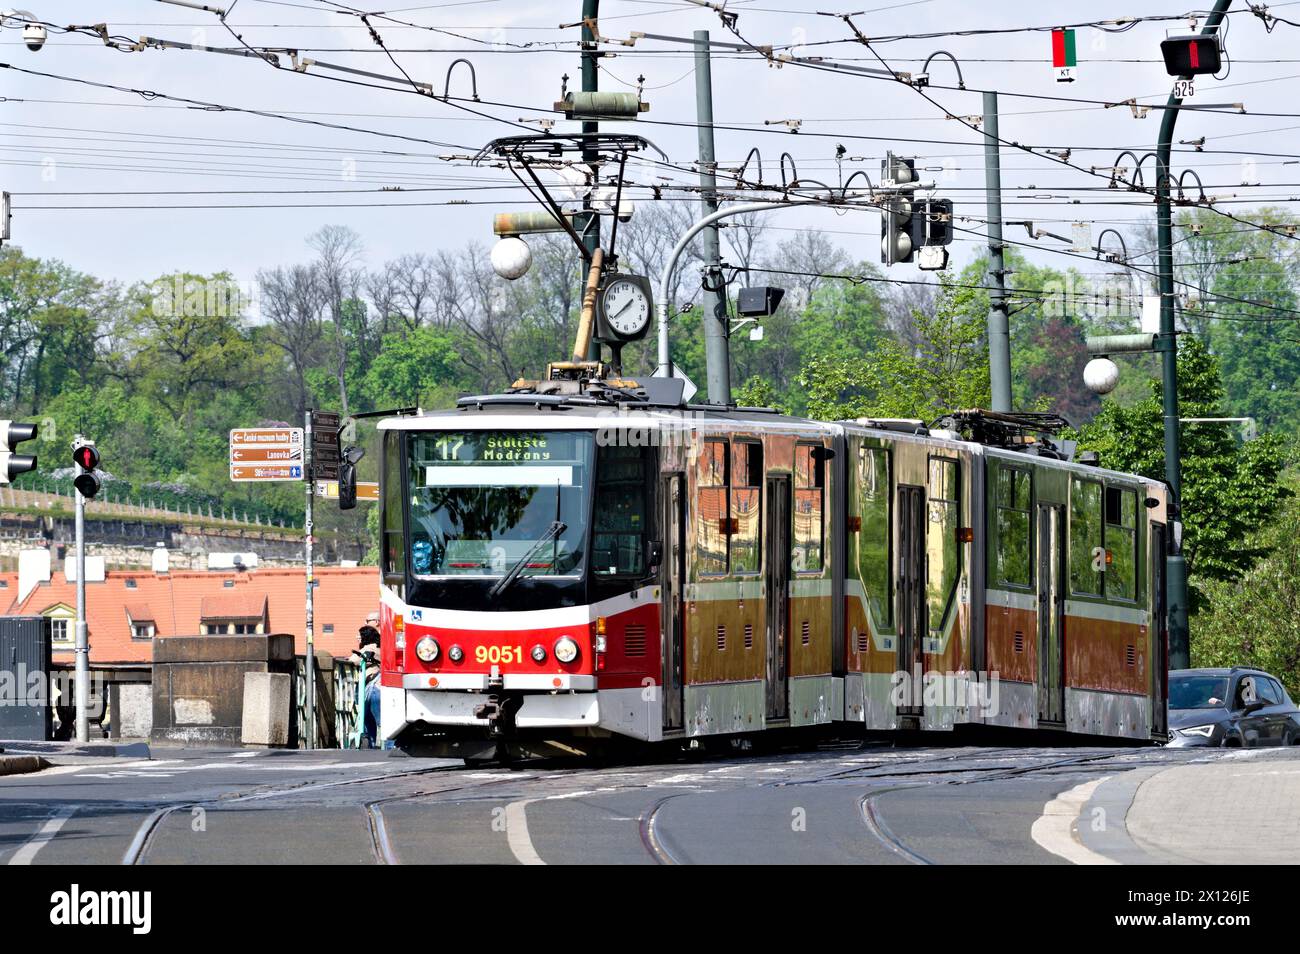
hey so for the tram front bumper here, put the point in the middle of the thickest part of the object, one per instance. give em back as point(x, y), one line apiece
point(537, 710)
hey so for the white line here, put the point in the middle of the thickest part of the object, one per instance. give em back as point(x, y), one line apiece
point(43, 836)
point(517, 833)
point(1054, 830)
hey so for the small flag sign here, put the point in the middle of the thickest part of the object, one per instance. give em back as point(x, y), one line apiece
point(1063, 57)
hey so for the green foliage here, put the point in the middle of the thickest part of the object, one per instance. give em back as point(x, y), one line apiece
point(1229, 489)
point(422, 368)
point(947, 370)
point(1255, 620)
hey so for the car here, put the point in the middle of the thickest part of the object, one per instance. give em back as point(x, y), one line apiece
point(1237, 707)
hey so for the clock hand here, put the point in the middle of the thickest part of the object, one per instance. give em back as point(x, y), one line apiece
point(626, 306)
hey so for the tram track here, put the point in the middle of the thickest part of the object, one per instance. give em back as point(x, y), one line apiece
point(145, 834)
point(873, 816)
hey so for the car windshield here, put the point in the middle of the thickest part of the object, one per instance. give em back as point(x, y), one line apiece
point(482, 501)
point(1198, 692)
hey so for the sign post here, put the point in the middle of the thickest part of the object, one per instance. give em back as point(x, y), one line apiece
point(309, 664)
point(321, 432)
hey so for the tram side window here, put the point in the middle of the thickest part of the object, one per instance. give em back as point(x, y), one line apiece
point(619, 520)
point(1013, 507)
point(873, 540)
point(746, 479)
point(809, 498)
point(943, 553)
point(711, 483)
point(394, 551)
point(1086, 555)
point(1121, 543)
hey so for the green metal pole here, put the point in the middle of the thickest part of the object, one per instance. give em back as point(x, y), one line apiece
point(587, 223)
point(1180, 655)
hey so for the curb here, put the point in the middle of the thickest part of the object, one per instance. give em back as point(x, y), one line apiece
point(21, 764)
point(1113, 798)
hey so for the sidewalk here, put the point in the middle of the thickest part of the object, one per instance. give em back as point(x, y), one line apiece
point(1238, 811)
point(1226, 807)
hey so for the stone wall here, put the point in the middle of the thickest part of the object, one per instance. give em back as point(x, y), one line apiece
point(129, 544)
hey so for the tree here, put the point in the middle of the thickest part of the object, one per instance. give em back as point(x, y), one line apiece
point(1229, 489)
point(1255, 620)
point(338, 259)
point(418, 369)
point(293, 303)
point(946, 371)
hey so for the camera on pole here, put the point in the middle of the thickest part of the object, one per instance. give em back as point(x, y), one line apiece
point(13, 465)
point(86, 458)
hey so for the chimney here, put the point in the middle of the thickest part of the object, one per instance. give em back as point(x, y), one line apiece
point(95, 569)
point(33, 569)
point(160, 558)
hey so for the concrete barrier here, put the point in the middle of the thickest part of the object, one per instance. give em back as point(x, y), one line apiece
point(266, 708)
point(198, 685)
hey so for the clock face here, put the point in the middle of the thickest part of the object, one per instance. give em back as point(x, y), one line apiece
point(626, 307)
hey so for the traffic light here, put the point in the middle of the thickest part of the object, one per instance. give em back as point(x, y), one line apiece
point(11, 464)
point(1191, 55)
point(86, 459)
point(896, 211)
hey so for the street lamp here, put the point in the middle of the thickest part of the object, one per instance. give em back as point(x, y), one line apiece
point(1166, 344)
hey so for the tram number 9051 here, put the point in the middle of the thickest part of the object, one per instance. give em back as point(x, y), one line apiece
point(499, 654)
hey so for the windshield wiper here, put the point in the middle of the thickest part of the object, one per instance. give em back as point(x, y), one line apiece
point(552, 532)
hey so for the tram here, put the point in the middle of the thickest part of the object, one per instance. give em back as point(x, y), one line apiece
point(565, 568)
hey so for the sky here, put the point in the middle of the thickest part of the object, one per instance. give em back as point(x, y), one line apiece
point(71, 154)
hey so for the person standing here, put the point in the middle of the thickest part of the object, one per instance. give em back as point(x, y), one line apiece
point(367, 654)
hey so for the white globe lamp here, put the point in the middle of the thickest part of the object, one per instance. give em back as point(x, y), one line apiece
point(1101, 375)
point(511, 258)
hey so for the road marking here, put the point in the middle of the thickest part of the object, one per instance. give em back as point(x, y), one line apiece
point(1054, 830)
point(521, 845)
point(43, 836)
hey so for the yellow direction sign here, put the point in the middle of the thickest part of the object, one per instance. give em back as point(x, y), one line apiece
point(329, 489)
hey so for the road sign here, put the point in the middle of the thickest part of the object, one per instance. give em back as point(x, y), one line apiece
point(266, 453)
point(240, 472)
point(329, 489)
point(324, 445)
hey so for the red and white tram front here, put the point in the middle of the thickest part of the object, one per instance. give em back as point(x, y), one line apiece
point(514, 544)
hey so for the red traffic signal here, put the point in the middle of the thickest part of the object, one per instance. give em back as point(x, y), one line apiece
point(85, 456)
point(1191, 55)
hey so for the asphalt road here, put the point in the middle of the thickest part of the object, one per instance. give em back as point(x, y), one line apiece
point(872, 804)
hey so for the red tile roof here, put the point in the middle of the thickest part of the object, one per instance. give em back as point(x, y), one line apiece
point(233, 605)
point(177, 602)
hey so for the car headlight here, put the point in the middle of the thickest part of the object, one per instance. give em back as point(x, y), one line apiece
point(1202, 730)
point(566, 650)
point(427, 649)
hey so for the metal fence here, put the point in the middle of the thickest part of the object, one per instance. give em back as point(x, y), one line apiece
point(336, 701)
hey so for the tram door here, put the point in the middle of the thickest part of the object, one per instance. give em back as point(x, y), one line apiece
point(1051, 614)
point(674, 578)
point(1160, 633)
point(778, 597)
point(913, 612)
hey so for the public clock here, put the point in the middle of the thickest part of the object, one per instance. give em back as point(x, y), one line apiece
point(625, 306)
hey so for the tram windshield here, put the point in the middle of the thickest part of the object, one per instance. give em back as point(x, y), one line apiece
point(503, 504)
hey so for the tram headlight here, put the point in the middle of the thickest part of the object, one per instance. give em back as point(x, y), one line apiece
point(539, 653)
point(427, 649)
point(566, 650)
point(455, 654)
